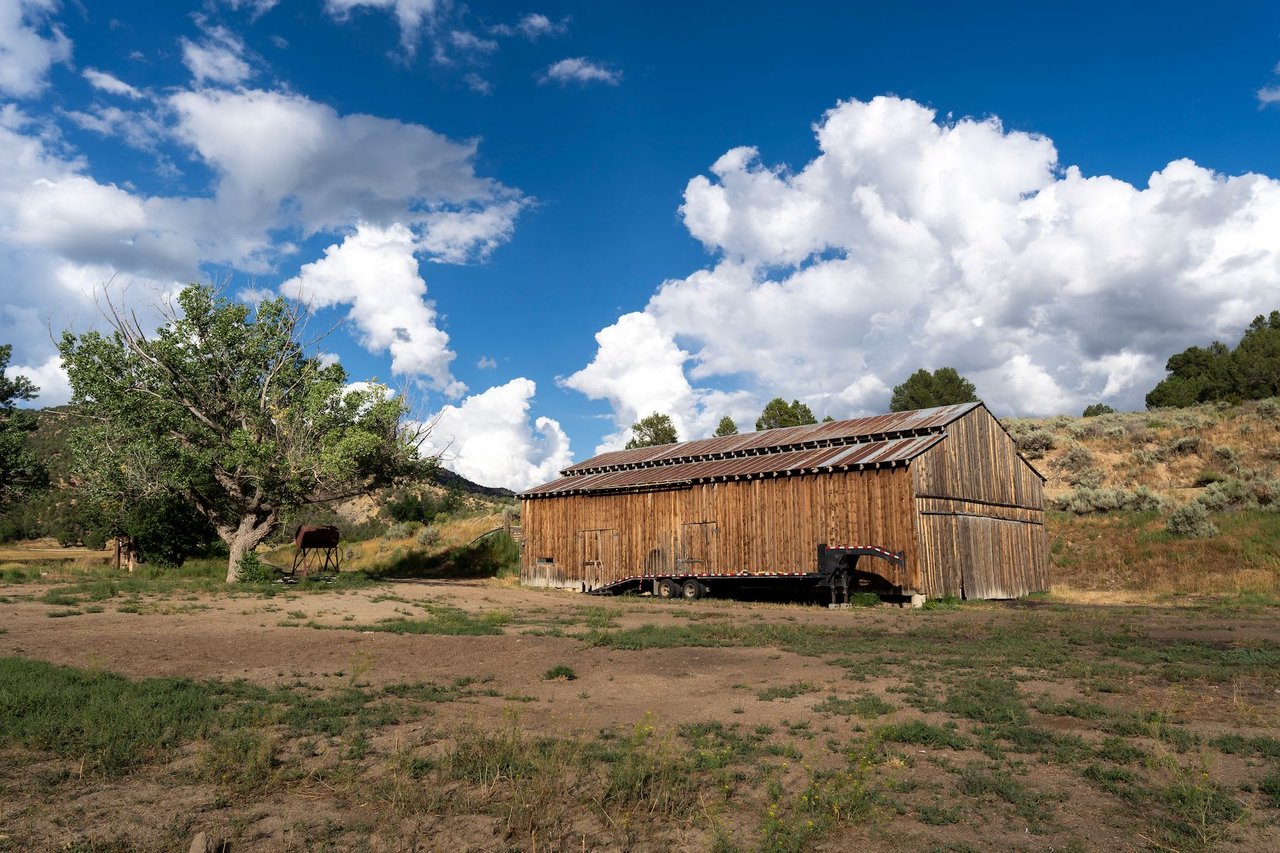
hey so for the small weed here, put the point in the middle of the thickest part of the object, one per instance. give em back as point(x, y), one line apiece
point(560, 671)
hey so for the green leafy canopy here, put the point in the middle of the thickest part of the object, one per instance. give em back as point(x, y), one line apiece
point(223, 407)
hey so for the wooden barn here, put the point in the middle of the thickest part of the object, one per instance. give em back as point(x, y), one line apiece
point(943, 490)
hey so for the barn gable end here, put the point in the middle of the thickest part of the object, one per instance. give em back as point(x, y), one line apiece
point(980, 513)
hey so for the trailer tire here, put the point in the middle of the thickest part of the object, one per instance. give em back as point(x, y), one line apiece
point(667, 588)
point(691, 590)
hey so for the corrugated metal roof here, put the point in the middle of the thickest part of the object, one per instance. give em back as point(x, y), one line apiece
point(858, 455)
point(829, 434)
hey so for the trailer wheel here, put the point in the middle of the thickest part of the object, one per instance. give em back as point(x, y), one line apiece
point(667, 588)
point(692, 589)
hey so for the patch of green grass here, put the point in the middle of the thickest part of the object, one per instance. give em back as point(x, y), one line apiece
point(1077, 708)
point(241, 760)
point(560, 671)
point(987, 700)
point(1269, 787)
point(1234, 744)
point(922, 733)
point(938, 815)
point(1198, 808)
point(1119, 781)
point(1153, 725)
point(785, 691)
point(715, 745)
point(107, 722)
point(1119, 751)
point(982, 782)
point(59, 597)
point(867, 706)
point(419, 691)
point(441, 620)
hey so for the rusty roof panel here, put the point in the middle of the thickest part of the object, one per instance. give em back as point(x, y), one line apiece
point(683, 474)
point(775, 440)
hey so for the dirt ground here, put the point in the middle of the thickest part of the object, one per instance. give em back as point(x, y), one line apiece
point(781, 697)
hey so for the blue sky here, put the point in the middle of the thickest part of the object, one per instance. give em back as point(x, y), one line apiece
point(542, 221)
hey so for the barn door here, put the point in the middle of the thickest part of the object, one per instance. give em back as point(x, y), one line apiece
point(599, 551)
point(697, 548)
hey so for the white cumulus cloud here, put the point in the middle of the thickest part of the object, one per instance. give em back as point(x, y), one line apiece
point(413, 16)
point(29, 45)
point(374, 270)
point(217, 58)
point(582, 71)
point(49, 377)
point(284, 168)
point(110, 84)
point(533, 26)
point(910, 242)
point(488, 439)
point(283, 154)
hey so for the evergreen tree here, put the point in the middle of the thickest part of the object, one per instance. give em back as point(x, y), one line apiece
point(925, 390)
point(21, 472)
point(1251, 371)
point(652, 430)
point(726, 427)
point(779, 413)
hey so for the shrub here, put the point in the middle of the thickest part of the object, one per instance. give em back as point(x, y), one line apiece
point(1089, 478)
point(1034, 443)
point(1183, 446)
point(428, 536)
point(253, 570)
point(1075, 458)
point(1085, 500)
point(560, 671)
point(1208, 476)
point(1269, 408)
point(1144, 458)
point(1098, 409)
point(1224, 495)
point(1191, 521)
point(402, 530)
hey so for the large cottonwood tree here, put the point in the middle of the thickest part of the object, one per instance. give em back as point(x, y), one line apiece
point(223, 407)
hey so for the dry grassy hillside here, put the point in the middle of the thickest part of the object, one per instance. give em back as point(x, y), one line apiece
point(1168, 501)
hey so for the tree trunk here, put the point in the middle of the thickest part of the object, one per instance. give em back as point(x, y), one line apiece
point(243, 539)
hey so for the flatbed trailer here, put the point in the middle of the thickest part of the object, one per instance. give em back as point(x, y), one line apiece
point(837, 568)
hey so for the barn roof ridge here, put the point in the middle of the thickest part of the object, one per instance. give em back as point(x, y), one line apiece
point(876, 454)
point(853, 431)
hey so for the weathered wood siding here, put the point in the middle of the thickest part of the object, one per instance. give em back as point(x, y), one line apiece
point(761, 525)
point(980, 514)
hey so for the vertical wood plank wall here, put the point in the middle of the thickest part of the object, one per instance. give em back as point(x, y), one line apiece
point(980, 514)
point(762, 525)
